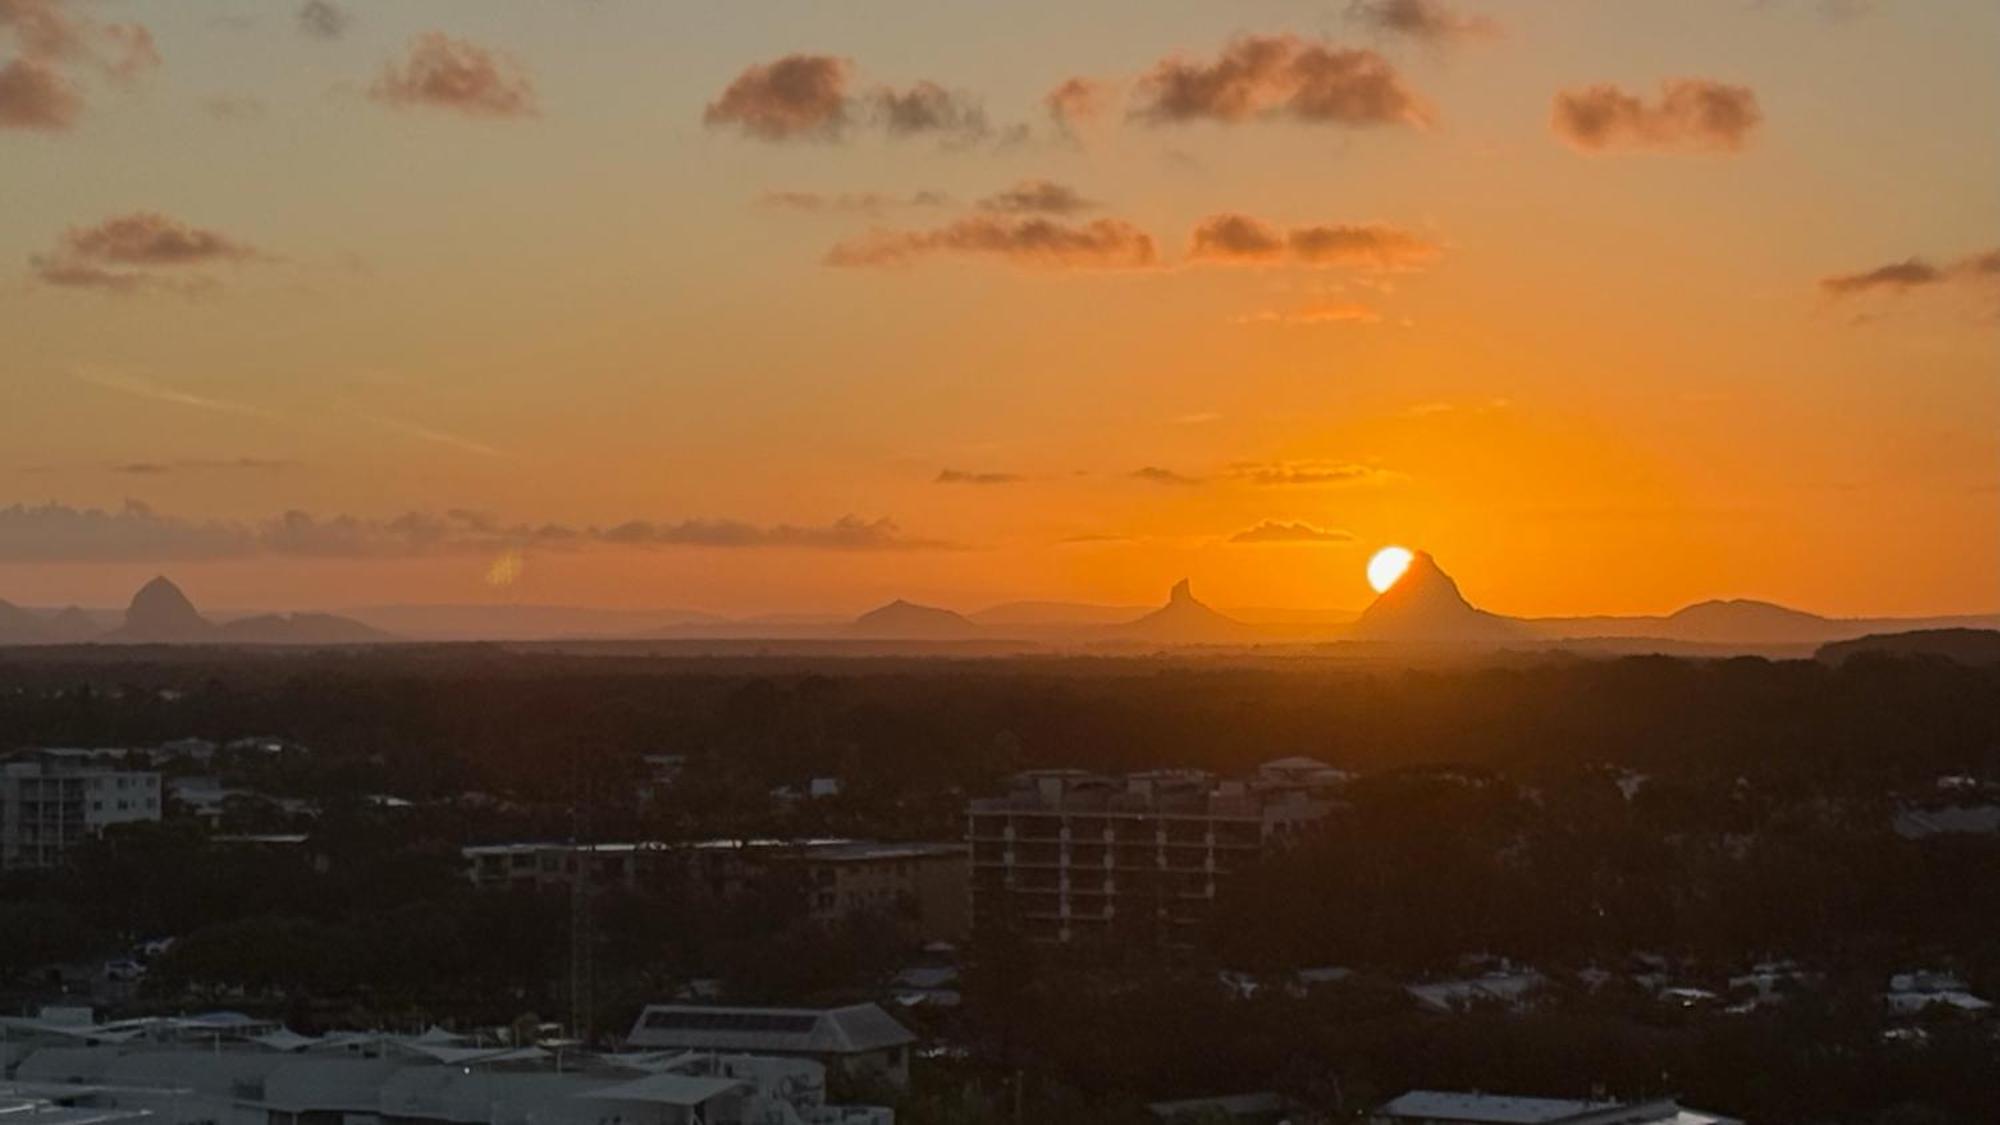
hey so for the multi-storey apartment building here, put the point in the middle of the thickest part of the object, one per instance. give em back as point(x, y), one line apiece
point(51, 800)
point(1068, 855)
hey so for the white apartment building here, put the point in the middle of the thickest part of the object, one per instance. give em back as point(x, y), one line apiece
point(51, 800)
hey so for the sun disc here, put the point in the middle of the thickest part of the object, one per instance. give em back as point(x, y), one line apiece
point(1387, 565)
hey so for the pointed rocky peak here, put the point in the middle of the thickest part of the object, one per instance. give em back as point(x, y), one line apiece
point(1425, 604)
point(1186, 619)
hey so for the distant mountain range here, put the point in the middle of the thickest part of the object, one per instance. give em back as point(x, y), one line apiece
point(161, 614)
point(1423, 610)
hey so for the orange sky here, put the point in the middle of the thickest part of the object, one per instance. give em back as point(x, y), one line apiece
point(763, 306)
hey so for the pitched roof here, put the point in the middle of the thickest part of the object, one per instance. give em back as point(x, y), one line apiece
point(665, 1089)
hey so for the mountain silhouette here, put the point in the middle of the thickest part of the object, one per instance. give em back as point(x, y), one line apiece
point(1186, 619)
point(1966, 646)
point(299, 629)
point(161, 614)
point(1425, 606)
point(908, 621)
point(19, 627)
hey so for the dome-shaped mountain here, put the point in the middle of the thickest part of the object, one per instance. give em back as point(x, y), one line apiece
point(161, 614)
point(1425, 606)
point(908, 621)
point(1186, 619)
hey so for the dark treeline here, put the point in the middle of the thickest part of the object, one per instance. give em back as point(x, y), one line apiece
point(443, 719)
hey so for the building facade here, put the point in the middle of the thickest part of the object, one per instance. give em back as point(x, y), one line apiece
point(52, 800)
point(1068, 855)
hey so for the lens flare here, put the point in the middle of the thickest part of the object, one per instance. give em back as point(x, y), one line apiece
point(1386, 566)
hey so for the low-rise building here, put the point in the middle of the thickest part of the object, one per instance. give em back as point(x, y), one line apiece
point(1437, 1107)
point(1068, 855)
point(52, 800)
point(858, 1040)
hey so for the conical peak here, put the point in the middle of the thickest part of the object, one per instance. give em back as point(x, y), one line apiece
point(1425, 604)
point(162, 593)
point(1183, 594)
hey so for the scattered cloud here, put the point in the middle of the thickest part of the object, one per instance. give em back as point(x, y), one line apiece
point(38, 87)
point(34, 95)
point(1237, 239)
point(813, 97)
point(323, 19)
point(1914, 273)
point(795, 97)
point(1077, 104)
point(1153, 474)
point(1692, 115)
point(1283, 77)
point(441, 72)
point(1428, 21)
point(960, 476)
point(1320, 312)
point(1031, 241)
point(1309, 473)
point(865, 202)
point(1042, 197)
point(138, 533)
point(927, 108)
point(137, 251)
point(1277, 531)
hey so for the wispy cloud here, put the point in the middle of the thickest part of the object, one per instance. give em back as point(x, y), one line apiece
point(1280, 77)
point(1280, 531)
point(440, 72)
point(1914, 273)
point(155, 392)
point(431, 434)
point(1426, 21)
point(1310, 472)
point(960, 476)
point(138, 533)
point(1032, 241)
point(201, 465)
point(1154, 474)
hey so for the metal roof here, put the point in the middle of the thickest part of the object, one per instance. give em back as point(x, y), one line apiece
point(852, 1030)
point(666, 1089)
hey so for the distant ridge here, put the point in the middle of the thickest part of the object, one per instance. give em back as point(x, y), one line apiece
point(908, 621)
point(1966, 646)
point(161, 614)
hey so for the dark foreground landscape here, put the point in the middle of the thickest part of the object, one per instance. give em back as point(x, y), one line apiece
point(1764, 888)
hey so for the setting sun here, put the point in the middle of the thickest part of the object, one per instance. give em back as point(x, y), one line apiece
point(1387, 565)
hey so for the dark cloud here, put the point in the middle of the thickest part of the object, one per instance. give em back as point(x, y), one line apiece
point(798, 96)
point(323, 19)
point(1033, 241)
point(1153, 474)
point(1235, 238)
point(441, 72)
point(1280, 76)
point(128, 253)
point(34, 95)
point(1277, 531)
point(1430, 21)
point(1044, 197)
point(927, 108)
point(1913, 273)
point(1691, 115)
point(866, 202)
point(1308, 473)
point(137, 533)
point(960, 476)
